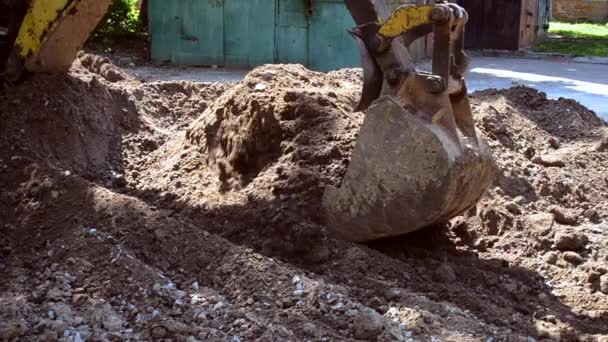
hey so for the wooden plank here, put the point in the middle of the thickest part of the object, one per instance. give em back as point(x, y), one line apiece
point(528, 23)
point(249, 32)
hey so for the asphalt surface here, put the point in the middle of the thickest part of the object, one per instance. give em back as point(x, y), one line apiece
point(585, 83)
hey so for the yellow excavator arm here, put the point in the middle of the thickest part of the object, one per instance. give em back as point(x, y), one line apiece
point(50, 34)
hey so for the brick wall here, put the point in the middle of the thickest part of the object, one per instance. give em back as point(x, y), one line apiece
point(580, 10)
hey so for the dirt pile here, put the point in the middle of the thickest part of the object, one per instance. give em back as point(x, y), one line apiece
point(184, 211)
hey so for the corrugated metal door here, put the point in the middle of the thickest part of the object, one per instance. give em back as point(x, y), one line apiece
point(189, 32)
point(292, 32)
point(249, 32)
point(330, 45)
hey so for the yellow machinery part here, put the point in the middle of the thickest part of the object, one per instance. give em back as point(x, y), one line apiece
point(406, 18)
point(38, 21)
point(52, 33)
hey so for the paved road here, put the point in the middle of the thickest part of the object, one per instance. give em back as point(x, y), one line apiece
point(586, 83)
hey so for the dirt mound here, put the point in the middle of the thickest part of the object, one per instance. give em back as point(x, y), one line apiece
point(191, 212)
point(75, 124)
point(277, 118)
point(563, 118)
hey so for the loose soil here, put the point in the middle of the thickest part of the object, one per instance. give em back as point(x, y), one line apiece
point(184, 211)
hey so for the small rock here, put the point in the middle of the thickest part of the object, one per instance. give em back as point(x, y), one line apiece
point(62, 312)
point(119, 180)
point(368, 325)
point(79, 299)
point(395, 334)
point(338, 307)
point(549, 160)
point(310, 330)
point(78, 321)
point(339, 289)
point(59, 326)
point(112, 323)
point(351, 313)
point(50, 335)
point(551, 258)
point(570, 241)
point(521, 200)
point(445, 273)
point(54, 294)
point(554, 142)
point(573, 258)
point(529, 152)
point(84, 331)
point(540, 224)
point(592, 215)
point(604, 284)
point(393, 293)
point(159, 332)
point(260, 87)
point(562, 216)
point(513, 208)
point(603, 146)
point(12, 329)
point(218, 306)
point(176, 327)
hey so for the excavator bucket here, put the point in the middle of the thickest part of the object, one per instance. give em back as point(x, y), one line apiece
point(405, 174)
point(418, 160)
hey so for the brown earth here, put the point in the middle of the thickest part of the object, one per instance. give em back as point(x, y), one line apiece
point(180, 211)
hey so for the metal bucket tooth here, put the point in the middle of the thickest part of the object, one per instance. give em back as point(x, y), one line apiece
point(405, 174)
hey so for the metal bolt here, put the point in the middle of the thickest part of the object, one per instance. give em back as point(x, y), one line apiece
point(440, 14)
point(435, 85)
point(393, 76)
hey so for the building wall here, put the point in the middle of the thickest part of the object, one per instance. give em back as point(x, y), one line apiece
point(580, 10)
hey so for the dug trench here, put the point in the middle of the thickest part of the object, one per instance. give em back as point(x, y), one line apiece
point(184, 211)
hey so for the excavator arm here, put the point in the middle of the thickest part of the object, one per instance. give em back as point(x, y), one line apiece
point(45, 35)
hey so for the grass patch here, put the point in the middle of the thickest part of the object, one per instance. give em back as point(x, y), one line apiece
point(580, 39)
point(576, 47)
point(580, 30)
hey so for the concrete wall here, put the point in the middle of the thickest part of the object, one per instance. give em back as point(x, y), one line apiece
point(580, 10)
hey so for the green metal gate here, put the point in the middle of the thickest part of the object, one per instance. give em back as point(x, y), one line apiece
point(248, 33)
point(187, 32)
point(330, 46)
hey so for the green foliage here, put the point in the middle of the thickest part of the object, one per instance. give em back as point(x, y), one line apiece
point(121, 22)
